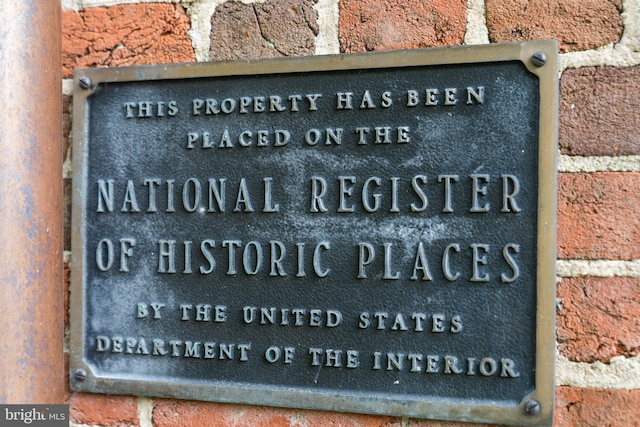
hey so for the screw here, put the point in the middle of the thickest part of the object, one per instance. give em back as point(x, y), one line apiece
point(84, 83)
point(532, 407)
point(80, 375)
point(539, 59)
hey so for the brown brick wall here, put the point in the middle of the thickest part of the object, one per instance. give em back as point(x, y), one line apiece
point(612, 326)
point(599, 111)
point(598, 216)
point(125, 35)
point(585, 407)
point(598, 212)
point(168, 413)
point(397, 24)
point(575, 24)
point(268, 30)
point(103, 410)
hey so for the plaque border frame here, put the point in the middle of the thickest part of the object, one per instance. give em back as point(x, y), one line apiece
point(536, 409)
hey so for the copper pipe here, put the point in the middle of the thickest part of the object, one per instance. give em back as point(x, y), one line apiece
point(31, 289)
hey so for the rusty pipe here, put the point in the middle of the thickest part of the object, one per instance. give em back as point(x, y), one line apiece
point(31, 245)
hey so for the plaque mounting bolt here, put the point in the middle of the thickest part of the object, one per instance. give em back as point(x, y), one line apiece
point(84, 83)
point(532, 407)
point(539, 59)
point(80, 375)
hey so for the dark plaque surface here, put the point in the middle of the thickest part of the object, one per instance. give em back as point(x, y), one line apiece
point(370, 233)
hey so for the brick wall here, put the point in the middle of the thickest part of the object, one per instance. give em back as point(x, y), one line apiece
point(598, 310)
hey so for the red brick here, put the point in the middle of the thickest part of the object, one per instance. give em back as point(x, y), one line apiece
point(400, 24)
point(272, 29)
point(103, 410)
point(599, 216)
point(195, 414)
point(125, 35)
point(599, 318)
point(586, 407)
point(575, 24)
point(599, 111)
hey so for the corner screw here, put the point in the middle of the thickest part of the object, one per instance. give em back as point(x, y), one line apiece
point(80, 375)
point(539, 59)
point(84, 83)
point(532, 407)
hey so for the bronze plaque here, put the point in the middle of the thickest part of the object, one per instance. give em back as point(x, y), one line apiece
point(371, 233)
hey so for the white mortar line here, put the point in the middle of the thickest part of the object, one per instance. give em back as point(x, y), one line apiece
point(67, 169)
point(597, 268)
point(67, 87)
point(476, 32)
point(631, 21)
point(71, 5)
point(608, 55)
point(620, 373)
point(327, 40)
point(67, 166)
point(599, 164)
point(200, 14)
point(145, 411)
